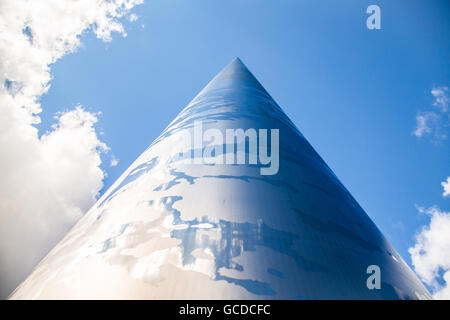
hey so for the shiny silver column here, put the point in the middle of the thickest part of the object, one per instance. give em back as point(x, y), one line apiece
point(176, 226)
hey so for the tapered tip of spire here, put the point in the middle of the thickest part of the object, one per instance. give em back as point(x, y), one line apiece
point(235, 75)
point(236, 64)
point(237, 60)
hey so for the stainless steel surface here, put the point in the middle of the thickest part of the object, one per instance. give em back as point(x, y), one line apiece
point(168, 229)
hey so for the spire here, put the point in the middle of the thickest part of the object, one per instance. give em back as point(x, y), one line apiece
point(235, 65)
point(234, 77)
point(198, 216)
point(236, 68)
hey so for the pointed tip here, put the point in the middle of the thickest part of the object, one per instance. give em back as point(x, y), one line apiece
point(234, 75)
point(236, 64)
point(237, 60)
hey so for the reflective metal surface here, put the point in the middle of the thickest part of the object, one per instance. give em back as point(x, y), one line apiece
point(169, 229)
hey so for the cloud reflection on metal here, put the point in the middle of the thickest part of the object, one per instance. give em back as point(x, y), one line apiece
point(168, 229)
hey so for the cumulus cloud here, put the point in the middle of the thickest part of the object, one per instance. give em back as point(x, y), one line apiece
point(431, 253)
point(434, 123)
point(446, 186)
point(46, 182)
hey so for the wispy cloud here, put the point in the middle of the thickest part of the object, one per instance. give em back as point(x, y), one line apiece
point(46, 182)
point(446, 186)
point(431, 253)
point(434, 123)
point(428, 124)
point(441, 98)
point(132, 17)
point(114, 161)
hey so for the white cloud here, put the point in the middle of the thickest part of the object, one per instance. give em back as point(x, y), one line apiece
point(46, 182)
point(434, 124)
point(441, 98)
point(446, 186)
point(426, 123)
point(431, 252)
point(114, 161)
point(132, 17)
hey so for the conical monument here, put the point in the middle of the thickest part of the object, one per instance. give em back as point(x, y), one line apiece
point(229, 202)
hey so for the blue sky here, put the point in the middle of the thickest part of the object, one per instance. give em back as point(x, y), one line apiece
point(353, 92)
